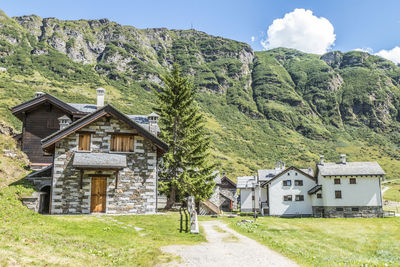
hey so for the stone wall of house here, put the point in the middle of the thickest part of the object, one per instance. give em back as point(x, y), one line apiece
point(136, 188)
point(333, 212)
point(215, 197)
point(34, 202)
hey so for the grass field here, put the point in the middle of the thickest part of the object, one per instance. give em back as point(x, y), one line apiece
point(393, 193)
point(328, 242)
point(31, 239)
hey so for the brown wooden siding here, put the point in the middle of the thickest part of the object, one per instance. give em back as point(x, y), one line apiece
point(39, 123)
point(122, 143)
point(84, 142)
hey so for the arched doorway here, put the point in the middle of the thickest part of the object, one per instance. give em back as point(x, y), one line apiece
point(45, 200)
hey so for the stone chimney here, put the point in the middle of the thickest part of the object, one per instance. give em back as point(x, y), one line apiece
point(153, 123)
point(64, 121)
point(39, 94)
point(321, 159)
point(343, 158)
point(100, 97)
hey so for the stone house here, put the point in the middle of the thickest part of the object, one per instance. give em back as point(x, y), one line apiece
point(102, 162)
point(223, 199)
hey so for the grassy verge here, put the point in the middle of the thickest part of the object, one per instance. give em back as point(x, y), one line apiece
point(31, 239)
point(328, 242)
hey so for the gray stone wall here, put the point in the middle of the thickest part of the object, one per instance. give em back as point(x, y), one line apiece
point(347, 211)
point(215, 197)
point(136, 189)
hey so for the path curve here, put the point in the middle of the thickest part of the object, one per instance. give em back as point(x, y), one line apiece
point(226, 247)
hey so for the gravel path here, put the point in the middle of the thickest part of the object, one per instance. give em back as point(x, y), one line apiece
point(385, 189)
point(226, 247)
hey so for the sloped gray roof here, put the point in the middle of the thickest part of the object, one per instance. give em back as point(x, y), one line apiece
point(351, 168)
point(245, 182)
point(99, 160)
point(86, 108)
point(268, 174)
point(309, 171)
point(217, 179)
point(141, 119)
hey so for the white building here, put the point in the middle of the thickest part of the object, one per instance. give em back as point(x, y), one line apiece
point(344, 189)
point(287, 193)
point(347, 189)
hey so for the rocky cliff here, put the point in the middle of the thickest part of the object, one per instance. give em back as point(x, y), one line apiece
point(260, 106)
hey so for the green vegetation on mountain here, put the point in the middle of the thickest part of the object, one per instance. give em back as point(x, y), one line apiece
point(260, 106)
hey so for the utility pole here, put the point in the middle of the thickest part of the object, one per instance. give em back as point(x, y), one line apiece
point(256, 184)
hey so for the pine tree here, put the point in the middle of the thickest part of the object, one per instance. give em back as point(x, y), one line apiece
point(185, 169)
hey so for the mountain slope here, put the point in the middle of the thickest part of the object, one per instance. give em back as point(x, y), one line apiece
point(260, 106)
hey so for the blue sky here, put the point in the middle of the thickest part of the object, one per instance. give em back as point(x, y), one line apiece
point(357, 24)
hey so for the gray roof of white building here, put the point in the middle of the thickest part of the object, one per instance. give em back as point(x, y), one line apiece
point(268, 174)
point(309, 171)
point(99, 160)
point(350, 168)
point(245, 182)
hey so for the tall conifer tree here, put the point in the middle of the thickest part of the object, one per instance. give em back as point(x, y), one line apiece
point(185, 169)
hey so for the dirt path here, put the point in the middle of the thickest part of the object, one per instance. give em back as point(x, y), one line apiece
point(384, 189)
point(226, 247)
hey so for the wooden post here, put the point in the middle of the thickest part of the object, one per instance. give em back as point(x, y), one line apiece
point(186, 220)
point(181, 217)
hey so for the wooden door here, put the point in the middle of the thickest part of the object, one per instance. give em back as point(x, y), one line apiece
point(98, 195)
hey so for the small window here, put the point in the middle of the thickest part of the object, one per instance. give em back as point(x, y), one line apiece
point(84, 142)
point(338, 194)
point(353, 181)
point(298, 182)
point(287, 198)
point(355, 209)
point(299, 198)
point(336, 181)
point(288, 174)
point(295, 173)
point(339, 209)
point(319, 195)
point(122, 143)
point(287, 183)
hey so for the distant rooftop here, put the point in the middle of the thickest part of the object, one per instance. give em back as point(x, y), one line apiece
point(245, 182)
point(86, 108)
point(350, 168)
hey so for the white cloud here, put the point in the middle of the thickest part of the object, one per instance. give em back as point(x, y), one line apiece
point(365, 49)
point(252, 39)
point(301, 30)
point(393, 54)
